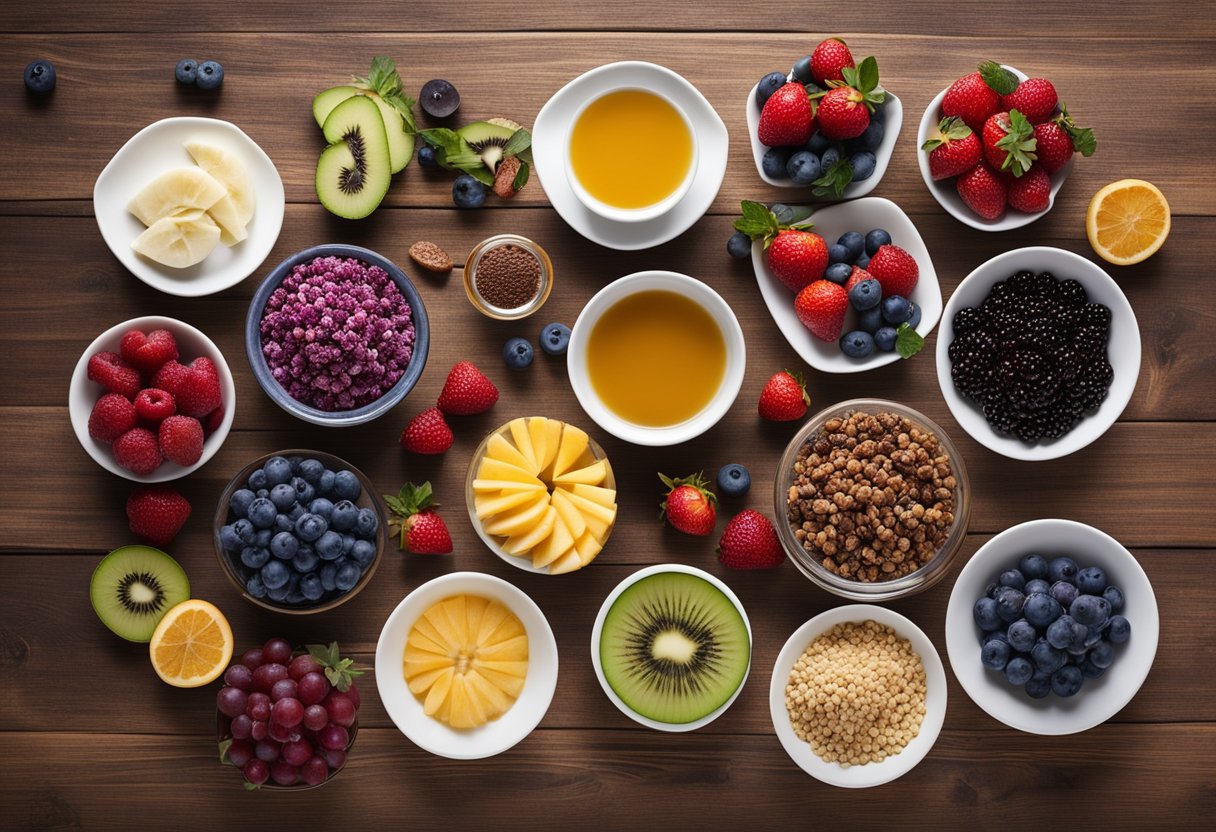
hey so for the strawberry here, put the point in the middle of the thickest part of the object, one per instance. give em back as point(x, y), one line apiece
point(787, 118)
point(111, 372)
point(157, 513)
point(983, 191)
point(1056, 140)
point(859, 274)
point(1031, 193)
point(821, 307)
point(467, 391)
point(1034, 98)
point(428, 433)
point(112, 416)
point(749, 541)
point(138, 451)
point(976, 97)
point(895, 270)
point(689, 505)
point(198, 393)
point(844, 111)
point(422, 531)
point(148, 353)
point(796, 256)
point(153, 406)
point(829, 60)
point(954, 149)
point(784, 398)
point(181, 439)
point(1009, 142)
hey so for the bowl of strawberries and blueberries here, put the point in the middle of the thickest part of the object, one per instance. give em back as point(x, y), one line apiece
point(1001, 142)
point(822, 124)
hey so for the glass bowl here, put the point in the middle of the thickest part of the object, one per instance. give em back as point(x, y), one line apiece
point(909, 584)
point(235, 571)
point(497, 312)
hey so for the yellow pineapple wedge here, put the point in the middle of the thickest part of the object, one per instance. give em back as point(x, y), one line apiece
point(488, 505)
point(500, 448)
point(574, 442)
point(593, 474)
point(519, 520)
point(523, 441)
point(496, 469)
point(568, 511)
point(553, 546)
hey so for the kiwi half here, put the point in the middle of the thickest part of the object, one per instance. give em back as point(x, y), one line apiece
point(674, 648)
point(133, 587)
point(488, 139)
point(354, 172)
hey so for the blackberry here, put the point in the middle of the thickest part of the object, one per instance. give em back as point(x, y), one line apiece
point(1023, 283)
point(1095, 314)
point(1071, 293)
point(966, 320)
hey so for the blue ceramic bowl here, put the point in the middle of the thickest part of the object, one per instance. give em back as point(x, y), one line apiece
point(337, 418)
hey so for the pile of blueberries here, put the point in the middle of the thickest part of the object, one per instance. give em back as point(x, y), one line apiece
point(295, 535)
point(1049, 625)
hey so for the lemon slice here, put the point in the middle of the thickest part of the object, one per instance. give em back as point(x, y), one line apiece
point(192, 645)
point(1127, 221)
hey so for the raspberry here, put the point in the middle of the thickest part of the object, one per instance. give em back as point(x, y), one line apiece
point(112, 416)
point(148, 352)
point(181, 439)
point(137, 451)
point(108, 370)
point(199, 392)
point(170, 377)
point(157, 513)
point(154, 406)
point(213, 420)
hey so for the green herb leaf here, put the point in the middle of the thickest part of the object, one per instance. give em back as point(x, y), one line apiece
point(224, 746)
point(525, 156)
point(520, 141)
point(339, 671)
point(251, 787)
point(867, 75)
point(1001, 80)
point(908, 342)
point(949, 129)
point(1019, 144)
point(521, 176)
point(835, 180)
point(384, 81)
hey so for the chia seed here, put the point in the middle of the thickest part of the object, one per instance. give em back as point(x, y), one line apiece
point(507, 276)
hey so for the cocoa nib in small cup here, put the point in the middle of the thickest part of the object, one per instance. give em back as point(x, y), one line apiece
point(508, 276)
point(430, 257)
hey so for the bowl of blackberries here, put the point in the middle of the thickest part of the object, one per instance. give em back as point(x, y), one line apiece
point(1052, 627)
point(1038, 353)
point(299, 531)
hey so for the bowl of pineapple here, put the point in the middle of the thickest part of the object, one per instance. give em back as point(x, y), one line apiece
point(541, 495)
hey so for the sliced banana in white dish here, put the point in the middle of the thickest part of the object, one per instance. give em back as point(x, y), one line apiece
point(180, 240)
point(233, 213)
point(174, 191)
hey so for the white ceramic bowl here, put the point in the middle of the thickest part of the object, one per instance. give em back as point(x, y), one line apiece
point(870, 774)
point(945, 191)
point(712, 302)
point(158, 148)
point(1099, 699)
point(83, 394)
point(830, 222)
point(645, 213)
point(494, 737)
point(892, 115)
point(1123, 350)
point(598, 629)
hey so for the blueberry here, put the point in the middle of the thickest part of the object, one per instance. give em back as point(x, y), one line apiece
point(1036, 585)
point(1047, 659)
point(329, 545)
point(517, 352)
point(275, 574)
point(229, 541)
point(773, 162)
point(870, 139)
point(1102, 654)
point(818, 144)
point(1009, 604)
point(262, 493)
point(802, 70)
point(914, 320)
point(986, 615)
point(239, 504)
point(1067, 681)
point(346, 486)
point(1064, 592)
point(363, 553)
point(278, 470)
point(1120, 629)
point(738, 246)
point(326, 484)
point(278, 594)
point(1080, 634)
point(1090, 610)
point(347, 576)
point(1062, 569)
point(854, 242)
point(255, 557)
point(838, 255)
point(297, 511)
point(282, 495)
point(1018, 671)
point(343, 516)
point(295, 461)
point(210, 75)
point(995, 635)
point(262, 513)
point(1033, 566)
point(768, 85)
point(309, 527)
point(876, 238)
point(1012, 578)
point(838, 273)
point(857, 344)
point(734, 480)
point(310, 587)
point(306, 559)
point(1041, 609)
point(294, 597)
point(993, 590)
point(257, 480)
point(305, 491)
point(785, 214)
point(426, 157)
point(321, 507)
point(40, 77)
point(863, 164)
point(348, 543)
point(1091, 580)
point(366, 523)
point(994, 655)
point(830, 157)
point(245, 531)
point(1022, 635)
point(255, 587)
point(865, 295)
point(1114, 597)
point(186, 71)
point(1059, 632)
point(803, 167)
point(1094, 634)
point(262, 538)
point(327, 572)
point(884, 338)
point(863, 261)
point(871, 321)
point(311, 470)
point(896, 310)
point(284, 545)
point(1038, 686)
point(467, 192)
point(554, 338)
point(1090, 670)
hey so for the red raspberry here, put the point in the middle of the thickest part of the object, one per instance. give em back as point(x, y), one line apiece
point(199, 393)
point(112, 416)
point(148, 352)
point(170, 377)
point(138, 451)
point(108, 370)
point(154, 406)
point(157, 513)
point(181, 439)
point(213, 420)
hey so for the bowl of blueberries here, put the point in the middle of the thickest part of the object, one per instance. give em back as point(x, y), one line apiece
point(1052, 627)
point(299, 531)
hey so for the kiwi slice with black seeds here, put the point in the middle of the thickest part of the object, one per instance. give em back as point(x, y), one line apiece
point(133, 587)
point(354, 172)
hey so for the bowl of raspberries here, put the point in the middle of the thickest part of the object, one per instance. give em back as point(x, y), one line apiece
point(152, 399)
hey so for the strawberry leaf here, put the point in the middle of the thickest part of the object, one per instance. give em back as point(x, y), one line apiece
point(1001, 80)
point(339, 671)
point(908, 342)
point(1083, 140)
point(224, 746)
point(1019, 144)
point(951, 128)
point(835, 180)
point(867, 75)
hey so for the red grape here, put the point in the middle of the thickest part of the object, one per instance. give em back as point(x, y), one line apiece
point(341, 709)
point(284, 774)
point(267, 750)
point(298, 752)
point(315, 717)
point(353, 694)
point(241, 727)
point(239, 676)
point(313, 688)
point(333, 737)
point(231, 701)
point(335, 758)
point(258, 706)
point(266, 675)
point(258, 730)
point(314, 772)
point(301, 665)
point(288, 712)
point(240, 752)
point(282, 733)
point(283, 689)
point(256, 772)
point(277, 650)
point(252, 658)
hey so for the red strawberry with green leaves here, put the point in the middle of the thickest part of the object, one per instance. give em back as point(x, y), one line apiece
point(1031, 192)
point(427, 433)
point(829, 60)
point(1059, 138)
point(749, 541)
point(689, 505)
point(821, 307)
point(976, 97)
point(983, 191)
point(1034, 98)
point(784, 398)
point(796, 255)
point(421, 530)
point(895, 270)
point(467, 391)
point(788, 118)
point(954, 149)
point(1009, 143)
point(844, 110)
point(157, 513)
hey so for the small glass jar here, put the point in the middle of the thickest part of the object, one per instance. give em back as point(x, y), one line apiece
point(500, 307)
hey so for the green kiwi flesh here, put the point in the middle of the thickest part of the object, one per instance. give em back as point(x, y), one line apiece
point(133, 587)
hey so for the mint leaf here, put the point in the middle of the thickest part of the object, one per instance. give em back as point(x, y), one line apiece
point(1001, 80)
point(867, 75)
point(908, 342)
point(835, 180)
point(521, 176)
point(385, 82)
point(520, 141)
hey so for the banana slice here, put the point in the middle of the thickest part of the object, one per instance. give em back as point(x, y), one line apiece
point(180, 240)
point(227, 217)
point(230, 171)
point(176, 191)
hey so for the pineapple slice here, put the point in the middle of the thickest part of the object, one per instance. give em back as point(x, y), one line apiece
point(569, 513)
point(506, 486)
point(522, 544)
point(599, 518)
point(519, 520)
point(568, 562)
point(593, 474)
point(597, 494)
point(500, 448)
point(488, 505)
point(588, 547)
point(493, 700)
point(553, 546)
point(512, 650)
point(553, 444)
point(574, 442)
point(538, 435)
point(496, 469)
point(523, 441)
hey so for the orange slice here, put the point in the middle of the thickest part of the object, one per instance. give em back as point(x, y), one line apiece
point(192, 645)
point(1127, 221)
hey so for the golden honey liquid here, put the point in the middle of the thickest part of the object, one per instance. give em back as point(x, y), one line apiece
point(656, 358)
point(630, 149)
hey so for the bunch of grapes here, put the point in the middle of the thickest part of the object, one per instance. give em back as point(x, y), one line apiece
point(286, 721)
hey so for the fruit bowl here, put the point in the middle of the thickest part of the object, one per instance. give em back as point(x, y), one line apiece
point(238, 573)
point(869, 774)
point(338, 418)
point(1099, 699)
point(944, 190)
point(879, 591)
point(731, 631)
point(1123, 350)
point(493, 737)
point(83, 394)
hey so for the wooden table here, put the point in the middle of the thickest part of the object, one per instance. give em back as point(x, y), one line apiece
point(93, 740)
